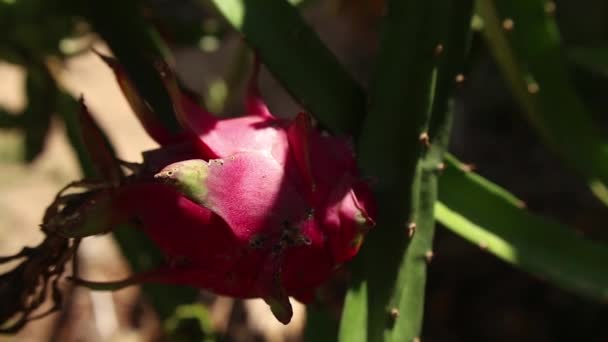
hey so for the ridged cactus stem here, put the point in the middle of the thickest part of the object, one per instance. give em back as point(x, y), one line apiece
point(422, 43)
point(524, 39)
point(493, 219)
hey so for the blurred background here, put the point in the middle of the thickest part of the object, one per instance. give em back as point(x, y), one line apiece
point(472, 296)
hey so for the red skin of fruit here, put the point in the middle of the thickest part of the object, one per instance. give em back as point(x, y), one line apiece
point(284, 204)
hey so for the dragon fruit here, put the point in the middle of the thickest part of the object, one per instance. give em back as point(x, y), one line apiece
point(257, 206)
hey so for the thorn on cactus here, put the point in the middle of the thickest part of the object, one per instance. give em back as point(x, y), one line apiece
point(468, 167)
point(533, 88)
point(508, 24)
point(424, 139)
point(411, 229)
point(438, 50)
point(483, 246)
point(394, 313)
point(550, 7)
point(459, 78)
point(428, 256)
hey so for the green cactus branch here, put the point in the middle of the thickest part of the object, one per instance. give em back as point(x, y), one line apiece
point(410, 294)
point(407, 302)
point(493, 219)
point(295, 55)
point(524, 40)
point(422, 46)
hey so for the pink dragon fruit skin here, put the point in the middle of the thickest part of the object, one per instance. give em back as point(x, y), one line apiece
point(266, 208)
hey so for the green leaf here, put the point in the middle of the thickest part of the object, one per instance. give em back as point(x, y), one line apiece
point(493, 219)
point(524, 40)
point(295, 55)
